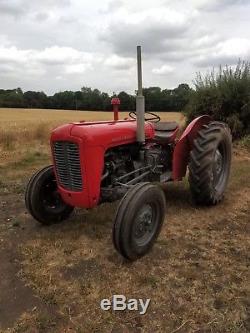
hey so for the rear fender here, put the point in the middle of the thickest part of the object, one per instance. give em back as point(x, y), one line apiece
point(184, 146)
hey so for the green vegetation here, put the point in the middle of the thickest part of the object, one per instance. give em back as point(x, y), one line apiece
point(245, 142)
point(225, 95)
point(88, 99)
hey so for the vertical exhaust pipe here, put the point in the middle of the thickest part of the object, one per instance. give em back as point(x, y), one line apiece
point(140, 102)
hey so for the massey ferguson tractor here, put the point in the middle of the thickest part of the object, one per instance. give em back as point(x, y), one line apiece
point(103, 161)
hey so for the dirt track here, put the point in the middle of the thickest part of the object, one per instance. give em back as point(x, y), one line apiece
point(197, 276)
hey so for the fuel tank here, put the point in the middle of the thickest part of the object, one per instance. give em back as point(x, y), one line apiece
point(103, 133)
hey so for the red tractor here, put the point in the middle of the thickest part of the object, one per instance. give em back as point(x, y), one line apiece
point(96, 162)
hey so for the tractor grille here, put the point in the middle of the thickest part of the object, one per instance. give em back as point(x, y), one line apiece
point(67, 163)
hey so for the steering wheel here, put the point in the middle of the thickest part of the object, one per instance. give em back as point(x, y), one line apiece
point(155, 118)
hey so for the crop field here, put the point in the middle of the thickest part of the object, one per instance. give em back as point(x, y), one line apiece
point(52, 279)
point(35, 124)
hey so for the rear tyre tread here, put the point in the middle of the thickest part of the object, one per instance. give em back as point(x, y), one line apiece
point(201, 162)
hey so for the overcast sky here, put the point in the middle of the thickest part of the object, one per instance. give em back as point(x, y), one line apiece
point(55, 45)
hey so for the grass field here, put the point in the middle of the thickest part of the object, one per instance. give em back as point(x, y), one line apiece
point(24, 117)
point(30, 124)
point(53, 278)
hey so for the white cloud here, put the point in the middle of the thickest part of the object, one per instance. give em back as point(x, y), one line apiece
point(161, 16)
point(77, 68)
point(163, 70)
point(50, 56)
point(153, 28)
point(227, 52)
point(40, 62)
point(119, 63)
point(42, 16)
point(66, 44)
point(23, 7)
point(13, 55)
point(236, 47)
point(11, 7)
point(60, 55)
point(4, 41)
point(216, 4)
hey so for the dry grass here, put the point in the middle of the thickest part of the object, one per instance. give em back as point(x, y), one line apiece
point(35, 124)
point(17, 117)
point(197, 275)
point(23, 130)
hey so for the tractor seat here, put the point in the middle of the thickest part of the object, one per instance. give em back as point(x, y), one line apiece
point(166, 126)
point(165, 132)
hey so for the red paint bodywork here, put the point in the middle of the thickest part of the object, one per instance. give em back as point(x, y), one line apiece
point(184, 146)
point(94, 138)
point(115, 101)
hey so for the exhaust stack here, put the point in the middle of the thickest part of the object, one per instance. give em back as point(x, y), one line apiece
point(140, 102)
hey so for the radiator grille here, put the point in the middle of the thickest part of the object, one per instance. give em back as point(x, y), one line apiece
point(67, 163)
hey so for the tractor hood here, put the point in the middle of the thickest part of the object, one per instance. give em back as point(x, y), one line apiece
point(102, 133)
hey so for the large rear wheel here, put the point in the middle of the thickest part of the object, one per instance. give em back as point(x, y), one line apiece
point(139, 220)
point(43, 200)
point(210, 162)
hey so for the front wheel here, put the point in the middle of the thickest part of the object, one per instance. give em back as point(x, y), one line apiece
point(42, 199)
point(139, 220)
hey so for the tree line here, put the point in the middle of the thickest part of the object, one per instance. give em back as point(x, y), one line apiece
point(157, 99)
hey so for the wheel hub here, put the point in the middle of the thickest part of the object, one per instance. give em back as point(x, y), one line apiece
point(50, 196)
point(217, 167)
point(144, 224)
point(218, 161)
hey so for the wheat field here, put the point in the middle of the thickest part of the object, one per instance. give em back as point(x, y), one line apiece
point(18, 117)
point(35, 124)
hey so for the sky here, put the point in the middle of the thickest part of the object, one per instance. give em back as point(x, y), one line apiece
point(56, 45)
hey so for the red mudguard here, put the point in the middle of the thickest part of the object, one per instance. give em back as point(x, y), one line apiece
point(185, 145)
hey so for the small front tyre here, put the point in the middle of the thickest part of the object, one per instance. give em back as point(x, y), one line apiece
point(43, 200)
point(139, 220)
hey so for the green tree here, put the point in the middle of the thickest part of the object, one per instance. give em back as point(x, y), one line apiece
point(33, 99)
point(12, 98)
point(180, 96)
point(127, 101)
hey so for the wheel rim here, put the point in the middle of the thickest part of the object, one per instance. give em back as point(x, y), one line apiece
point(50, 196)
point(218, 172)
point(145, 225)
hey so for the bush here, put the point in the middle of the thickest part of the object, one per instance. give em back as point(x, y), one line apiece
point(225, 96)
point(245, 142)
